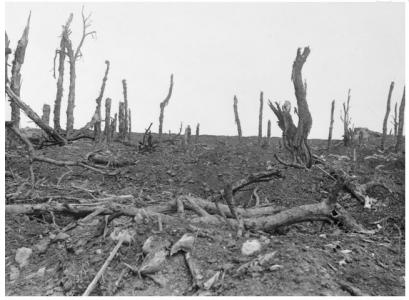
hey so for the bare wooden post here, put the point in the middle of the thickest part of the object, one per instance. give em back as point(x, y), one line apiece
point(121, 119)
point(346, 119)
point(331, 125)
point(399, 138)
point(107, 130)
point(129, 125)
point(97, 126)
point(73, 57)
point(385, 120)
point(163, 104)
point(197, 133)
point(113, 126)
point(18, 61)
point(236, 116)
point(260, 119)
point(46, 114)
point(60, 81)
point(268, 132)
point(125, 92)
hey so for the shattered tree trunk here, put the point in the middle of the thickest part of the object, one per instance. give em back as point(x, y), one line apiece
point(295, 138)
point(60, 81)
point(188, 134)
point(113, 126)
point(346, 119)
point(8, 51)
point(73, 56)
point(129, 125)
point(385, 120)
point(97, 126)
point(121, 120)
point(268, 132)
point(399, 139)
point(197, 133)
point(46, 114)
point(125, 92)
point(18, 61)
point(331, 125)
point(236, 117)
point(260, 119)
point(163, 104)
point(395, 121)
point(34, 117)
point(107, 130)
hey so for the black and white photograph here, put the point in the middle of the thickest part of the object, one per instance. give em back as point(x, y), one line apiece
point(204, 148)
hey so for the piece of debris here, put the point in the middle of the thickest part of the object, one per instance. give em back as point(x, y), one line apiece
point(22, 256)
point(14, 273)
point(211, 281)
point(266, 258)
point(41, 272)
point(42, 245)
point(61, 236)
point(154, 243)
point(153, 262)
point(185, 243)
point(250, 247)
point(275, 267)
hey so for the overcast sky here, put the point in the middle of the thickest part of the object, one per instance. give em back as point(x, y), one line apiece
point(216, 51)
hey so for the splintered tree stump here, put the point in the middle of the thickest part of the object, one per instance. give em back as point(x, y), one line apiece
point(97, 126)
point(129, 125)
point(125, 120)
point(236, 117)
point(121, 120)
point(331, 124)
point(107, 130)
point(260, 120)
point(113, 126)
point(399, 138)
point(346, 120)
point(162, 106)
point(268, 132)
point(18, 61)
point(188, 135)
point(61, 53)
point(385, 120)
point(46, 114)
point(295, 138)
point(197, 133)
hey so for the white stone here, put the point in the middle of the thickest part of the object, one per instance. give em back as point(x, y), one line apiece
point(22, 256)
point(250, 247)
point(14, 273)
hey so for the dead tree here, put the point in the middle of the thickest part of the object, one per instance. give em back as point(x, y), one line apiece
point(8, 51)
point(268, 132)
point(125, 92)
point(295, 138)
point(121, 121)
point(346, 120)
point(97, 126)
point(395, 121)
point(18, 61)
point(331, 124)
point(61, 53)
point(73, 57)
point(107, 130)
point(260, 119)
point(399, 138)
point(113, 126)
point(163, 104)
point(129, 125)
point(197, 133)
point(188, 134)
point(385, 120)
point(236, 116)
point(34, 117)
point(46, 114)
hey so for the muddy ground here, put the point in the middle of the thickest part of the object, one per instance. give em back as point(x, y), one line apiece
point(310, 259)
